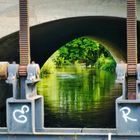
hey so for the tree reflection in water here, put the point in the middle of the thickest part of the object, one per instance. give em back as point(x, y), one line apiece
point(79, 98)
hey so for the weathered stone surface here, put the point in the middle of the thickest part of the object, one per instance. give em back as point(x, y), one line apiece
point(47, 10)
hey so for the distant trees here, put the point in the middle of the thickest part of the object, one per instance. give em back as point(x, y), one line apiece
point(82, 50)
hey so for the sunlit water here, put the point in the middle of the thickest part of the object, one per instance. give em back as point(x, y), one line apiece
point(79, 98)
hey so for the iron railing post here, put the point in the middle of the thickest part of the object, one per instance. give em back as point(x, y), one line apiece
point(24, 45)
point(131, 49)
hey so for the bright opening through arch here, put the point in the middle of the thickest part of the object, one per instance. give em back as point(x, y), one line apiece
point(78, 85)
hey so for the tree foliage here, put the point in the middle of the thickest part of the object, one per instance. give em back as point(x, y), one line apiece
point(81, 50)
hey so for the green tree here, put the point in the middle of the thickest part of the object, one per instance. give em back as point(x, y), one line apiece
point(82, 50)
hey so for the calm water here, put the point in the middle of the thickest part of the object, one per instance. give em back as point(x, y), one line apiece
point(79, 98)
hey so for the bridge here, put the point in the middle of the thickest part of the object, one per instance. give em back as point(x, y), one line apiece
point(25, 108)
point(47, 10)
point(105, 21)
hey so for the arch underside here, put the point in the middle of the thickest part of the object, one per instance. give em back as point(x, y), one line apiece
point(48, 37)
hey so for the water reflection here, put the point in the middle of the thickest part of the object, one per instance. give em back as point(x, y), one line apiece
point(79, 98)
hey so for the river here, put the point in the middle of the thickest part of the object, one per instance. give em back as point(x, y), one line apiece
point(79, 97)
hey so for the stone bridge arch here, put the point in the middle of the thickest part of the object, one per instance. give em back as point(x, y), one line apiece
point(46, 38)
